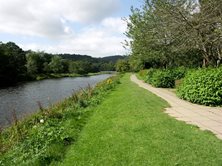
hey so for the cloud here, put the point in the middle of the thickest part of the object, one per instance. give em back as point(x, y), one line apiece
point(115, 24)
point(98, 40)
point(56, 20)
point(44, 17)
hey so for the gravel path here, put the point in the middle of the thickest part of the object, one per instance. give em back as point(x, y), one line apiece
point(206, 118)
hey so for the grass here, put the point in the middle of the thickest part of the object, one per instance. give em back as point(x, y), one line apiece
point(130, 128)
point(44, 138)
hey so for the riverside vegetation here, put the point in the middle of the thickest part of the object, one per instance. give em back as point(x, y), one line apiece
point(179, 42)
point(201, 86)
point(128, 127)
point(17, 65)
point(43, 138)
point(172, 39)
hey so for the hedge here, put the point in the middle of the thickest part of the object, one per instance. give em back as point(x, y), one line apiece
point(165, 78)
point(203, 86)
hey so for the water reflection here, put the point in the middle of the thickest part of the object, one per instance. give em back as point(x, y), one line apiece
point(24, 98)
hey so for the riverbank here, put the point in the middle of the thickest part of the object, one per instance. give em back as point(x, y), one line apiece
point(40, 77)
point(129, 127)
point(62, 75)
point(44, 137)
point(26, 98)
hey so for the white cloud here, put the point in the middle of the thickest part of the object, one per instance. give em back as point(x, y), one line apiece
point(95, 40)
point(115, 24)
point(54, 20)
point(47, 17)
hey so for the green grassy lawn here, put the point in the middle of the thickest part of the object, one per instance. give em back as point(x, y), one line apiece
point(130, 128)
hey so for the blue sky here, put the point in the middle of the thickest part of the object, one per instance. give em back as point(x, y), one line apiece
point(92, 27)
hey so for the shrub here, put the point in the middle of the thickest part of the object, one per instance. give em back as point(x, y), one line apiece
point(162, 79)
point(178, 73)
point(143, 74)
point(150, 75)
point(203, 86)
point(122, 66)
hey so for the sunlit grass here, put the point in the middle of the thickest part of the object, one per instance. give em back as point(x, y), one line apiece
point(130, 128)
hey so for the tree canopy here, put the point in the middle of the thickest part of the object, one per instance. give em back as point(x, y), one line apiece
point(12, 63)
point(165, 33)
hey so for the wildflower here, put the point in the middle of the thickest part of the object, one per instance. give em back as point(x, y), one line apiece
point(41, 120)
point(109, 81)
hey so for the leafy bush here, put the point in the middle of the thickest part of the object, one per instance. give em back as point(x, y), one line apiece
point(143, 74)
point(178, 73)
point(122, 65)
point(162, 79)
point(150, 75)
point(203, 86)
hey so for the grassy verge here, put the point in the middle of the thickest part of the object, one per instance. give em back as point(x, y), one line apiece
point(43, 139)
point(130, 128)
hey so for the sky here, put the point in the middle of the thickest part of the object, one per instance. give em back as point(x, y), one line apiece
point(87, 27)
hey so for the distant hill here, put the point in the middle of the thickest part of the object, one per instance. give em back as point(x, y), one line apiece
point(113, 59)
point(78, 57)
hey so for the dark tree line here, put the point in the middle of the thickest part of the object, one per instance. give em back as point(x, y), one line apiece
point(12, 63)
point(17, 65)
point(166, 33)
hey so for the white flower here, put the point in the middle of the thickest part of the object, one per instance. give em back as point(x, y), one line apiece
point(42, 121)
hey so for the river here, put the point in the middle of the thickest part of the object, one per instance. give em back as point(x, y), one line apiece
point(23, 99)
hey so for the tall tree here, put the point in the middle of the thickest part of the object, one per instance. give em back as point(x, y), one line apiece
point(56, 64)
point(163, 29)
point(12, 63)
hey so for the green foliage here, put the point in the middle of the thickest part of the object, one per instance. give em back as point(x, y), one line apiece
point(12, 64)
point(122, 66)
point(149, 76)
point(171, 33)
point(43, 139)
point(143, 74)
point(37, 63)
point(136, 65)
point(33, 63)
point(164, 78)
point(81, 67)
point(203, 86)
point(56, 65)
point(178, 73)
point(17, 65)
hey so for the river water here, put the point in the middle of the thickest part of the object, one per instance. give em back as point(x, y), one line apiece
point(23, 99)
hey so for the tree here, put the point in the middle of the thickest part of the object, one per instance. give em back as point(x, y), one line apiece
point(12, 63)
point(37, 63)
point(163, 29)
point(73, 67)
point(122, 66)
point(33, 63)
point(56, 65)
